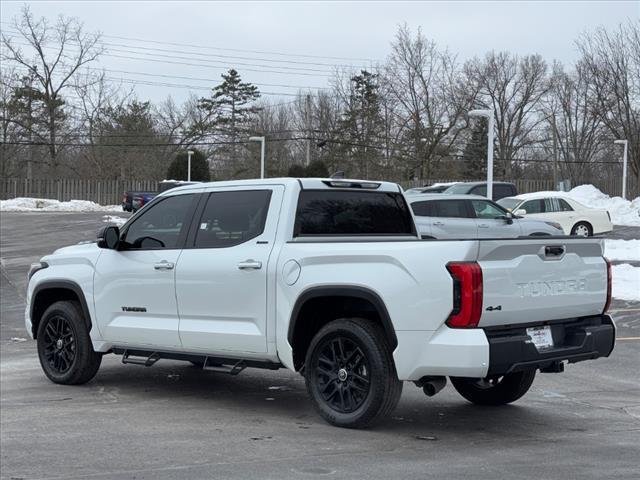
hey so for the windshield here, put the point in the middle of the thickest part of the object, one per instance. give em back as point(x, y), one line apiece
point(458, 188)
point(509, 203)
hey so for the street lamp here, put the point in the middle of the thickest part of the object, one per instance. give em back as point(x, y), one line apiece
point(189, 153)
point(261, 140)
point(489, 115)
point(624, 166)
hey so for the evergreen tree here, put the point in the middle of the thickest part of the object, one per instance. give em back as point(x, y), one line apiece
point(475, 152)
point(362, 123)
point(229, 113)
point(199, 167)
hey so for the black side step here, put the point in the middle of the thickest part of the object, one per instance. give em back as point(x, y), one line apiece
point(152, 358)
point(212, 363)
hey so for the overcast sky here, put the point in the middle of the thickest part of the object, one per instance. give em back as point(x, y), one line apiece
point(356, 30)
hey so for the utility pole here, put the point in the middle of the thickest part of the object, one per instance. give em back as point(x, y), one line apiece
point(262, 152)
point(489, 115)
point(189, 153)
point(555, 151)
point(308, 123)
point(30, 127)
point(624, 165)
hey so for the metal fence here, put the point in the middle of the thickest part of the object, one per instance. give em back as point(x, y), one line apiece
point(109, 192)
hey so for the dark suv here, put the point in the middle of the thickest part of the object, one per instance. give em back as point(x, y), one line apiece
point(500, 189)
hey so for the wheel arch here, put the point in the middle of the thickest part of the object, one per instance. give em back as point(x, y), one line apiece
point(51, 291)
point(347, 300)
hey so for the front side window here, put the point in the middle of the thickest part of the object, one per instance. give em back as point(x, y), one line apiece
point(159, 225)
point(534, 206)
point(231, 218)
point(487, 210)
point(479, 190)
point(347, 212)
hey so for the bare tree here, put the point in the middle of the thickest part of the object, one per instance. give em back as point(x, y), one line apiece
point(513, 87)
point(613, 61)
point(54, 56)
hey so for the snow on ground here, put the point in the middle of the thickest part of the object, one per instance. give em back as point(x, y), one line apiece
point(628, 250)
point(24, 204)
point(118, 221)
point(626, 282)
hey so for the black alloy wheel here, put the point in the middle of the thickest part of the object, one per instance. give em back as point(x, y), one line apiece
point(342, 374)
point(59, 344)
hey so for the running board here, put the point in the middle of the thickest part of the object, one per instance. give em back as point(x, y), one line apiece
point(212, 363)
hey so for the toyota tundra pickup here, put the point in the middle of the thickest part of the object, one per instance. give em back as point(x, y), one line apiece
point(328, 278)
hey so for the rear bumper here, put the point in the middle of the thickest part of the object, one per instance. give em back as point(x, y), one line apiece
point(588, 338)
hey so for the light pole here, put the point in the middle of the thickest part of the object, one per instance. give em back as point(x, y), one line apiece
point(624, 166)
point(489, 115)
point(189, 153)
point(261, 140)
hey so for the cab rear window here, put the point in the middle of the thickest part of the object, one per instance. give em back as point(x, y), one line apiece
point(349, 213)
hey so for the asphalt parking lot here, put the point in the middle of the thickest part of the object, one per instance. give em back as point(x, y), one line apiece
point(174, 421)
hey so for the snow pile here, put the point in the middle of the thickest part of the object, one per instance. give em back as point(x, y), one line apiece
point(24, 204)
point(627, 250)
point(623, 212)
point(117, 221)
point(626, 282)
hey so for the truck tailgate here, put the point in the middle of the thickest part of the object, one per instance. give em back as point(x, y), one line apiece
point(535, 280)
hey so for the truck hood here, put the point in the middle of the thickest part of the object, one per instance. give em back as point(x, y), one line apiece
point(85, 252)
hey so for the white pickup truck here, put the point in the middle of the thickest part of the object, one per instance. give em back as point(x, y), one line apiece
point(327, 278)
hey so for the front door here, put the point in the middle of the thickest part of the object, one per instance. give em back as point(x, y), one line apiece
point(134, 286)
point(452, 219)
point(491, 221)
point(222, 275)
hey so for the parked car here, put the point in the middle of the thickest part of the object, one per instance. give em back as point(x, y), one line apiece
point(575, 218)
point(436, 188)
point(327, 278)
point(500, 189)
point(472, 216)
point(140, 199)
point(129, 197)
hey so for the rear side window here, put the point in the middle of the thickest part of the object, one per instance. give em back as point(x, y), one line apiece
point(347, 212)
point(501, 191)
point(422, 209)
point(564, 205)
point(450, 209)
point(231, 218)
point(479, 190)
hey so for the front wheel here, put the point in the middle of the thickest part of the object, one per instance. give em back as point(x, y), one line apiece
point(64, 347)
point(350, 374)
point(496, 390)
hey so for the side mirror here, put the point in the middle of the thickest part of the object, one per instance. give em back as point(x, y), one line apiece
point(108, 237)
point(508, 218)
point(520, 211)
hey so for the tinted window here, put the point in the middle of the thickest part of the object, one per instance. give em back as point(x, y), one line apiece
point(450, 208)
point(479, 190)
point(422, 209)
point(231, 218)
point(345, 212)
point(486, 209)
point(160, 224)
point(564, 205)
point(534, 206)
point(501, 191)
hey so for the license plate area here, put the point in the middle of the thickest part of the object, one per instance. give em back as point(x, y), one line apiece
point(541, 337)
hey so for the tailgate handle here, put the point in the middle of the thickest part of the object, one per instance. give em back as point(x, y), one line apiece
point(553, 251)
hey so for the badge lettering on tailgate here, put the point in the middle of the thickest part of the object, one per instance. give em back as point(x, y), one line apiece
point(554, 287)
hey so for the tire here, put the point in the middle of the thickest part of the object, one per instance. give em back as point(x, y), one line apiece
point(64, 347)
point(582, 229)
point(494, 391)
point(350, 374)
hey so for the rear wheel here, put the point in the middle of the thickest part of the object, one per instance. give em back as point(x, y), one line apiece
point(350, 374)
point(582, 229)
point(497, 390)
point(64, 347)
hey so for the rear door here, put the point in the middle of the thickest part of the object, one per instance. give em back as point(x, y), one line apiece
point(423, 217)
point(221, 277)
point(453, 219)
point(491, 222)
point(535, 280)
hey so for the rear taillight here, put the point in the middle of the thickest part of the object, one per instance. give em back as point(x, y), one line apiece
point(608, 302)
point(467, 294)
